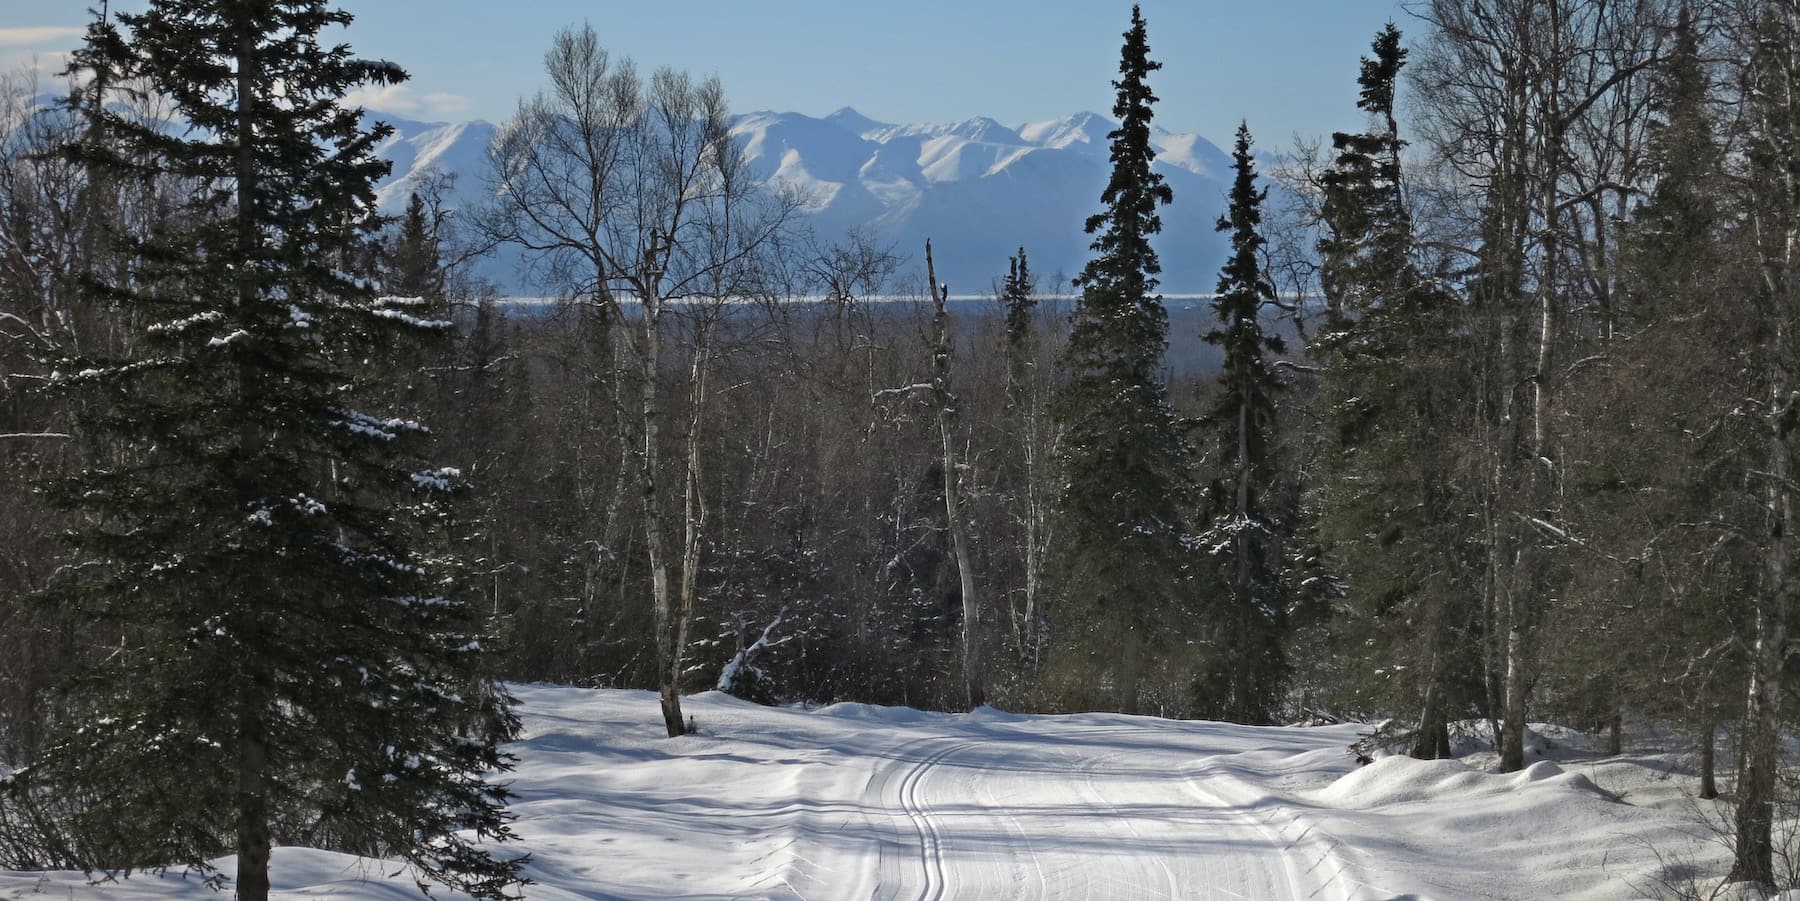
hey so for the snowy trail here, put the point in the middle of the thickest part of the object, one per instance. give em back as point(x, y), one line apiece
point(852, 801)
point(1021, 814)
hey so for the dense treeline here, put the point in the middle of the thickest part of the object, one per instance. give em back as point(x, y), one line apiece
point(1532, 455)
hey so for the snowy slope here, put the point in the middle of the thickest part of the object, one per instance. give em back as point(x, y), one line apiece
point(417, 148)
point(853, 801)
point(980, 189)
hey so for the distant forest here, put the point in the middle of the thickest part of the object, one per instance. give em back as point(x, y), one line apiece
point(1494, 416)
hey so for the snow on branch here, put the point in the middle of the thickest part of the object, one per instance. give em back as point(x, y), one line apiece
point(385, 308)
point(177, 326)
point(359, 558)
point(741, 662)
point(437, 479)
point(1552, 530)
point(889, 392)
point(375, 427)
point(91, 374)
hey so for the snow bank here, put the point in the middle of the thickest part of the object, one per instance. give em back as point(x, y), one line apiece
point(1402, 780)
point(899, 716)
point(294, 873)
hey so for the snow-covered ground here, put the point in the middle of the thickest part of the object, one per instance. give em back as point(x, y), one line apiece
point(853, 801)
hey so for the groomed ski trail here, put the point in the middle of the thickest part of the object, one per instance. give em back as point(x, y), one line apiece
point(1012, 813)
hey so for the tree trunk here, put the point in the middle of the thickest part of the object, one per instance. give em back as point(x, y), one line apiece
point(667, 627)
point(693, 515)
point(1753, 857)
point(1709, 788)
point(1431, 741)
point(1130, 666)
point(1530, 585)
point(1023, 408)
point(252, 801)
point(973, 677)
point(1761, 745)
point(946, 417)
point(613, 523)
point(1524, 187)
point(1615, 728)
point(252, 795)
point(1431, 719)
point(1034, 543)
point(601, 560)
point(1512, 724)
point(1498, 423)
point(1037, 530)
point(1779, 227)
point(1243, 584)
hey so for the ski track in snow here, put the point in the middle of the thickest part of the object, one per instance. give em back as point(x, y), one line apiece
point(972, 821)
point(852, 801)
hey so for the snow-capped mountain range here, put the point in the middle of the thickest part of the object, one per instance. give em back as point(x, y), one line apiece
point(977, 188)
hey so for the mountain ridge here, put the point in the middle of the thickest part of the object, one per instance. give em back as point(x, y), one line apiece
point(979, 188)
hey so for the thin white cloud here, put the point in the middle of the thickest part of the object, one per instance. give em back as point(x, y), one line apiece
point(402, 100)
point(38, 36)
point(42, 68)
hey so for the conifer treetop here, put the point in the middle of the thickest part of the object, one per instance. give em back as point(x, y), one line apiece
point(1124, 257)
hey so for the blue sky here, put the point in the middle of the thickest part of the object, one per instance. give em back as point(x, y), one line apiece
point(1286, 65)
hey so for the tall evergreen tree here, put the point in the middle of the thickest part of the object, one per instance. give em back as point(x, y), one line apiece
point(297, 665)
point(1663, 449)
point(1122, 459)
point(1246, 669)
point(1385, 497)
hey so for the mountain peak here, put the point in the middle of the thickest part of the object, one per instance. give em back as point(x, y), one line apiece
point(986, 130)
point(1076, 128)
point(978, 187)
point(852, 121)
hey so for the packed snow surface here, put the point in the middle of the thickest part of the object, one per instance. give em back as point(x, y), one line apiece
point(855, 801)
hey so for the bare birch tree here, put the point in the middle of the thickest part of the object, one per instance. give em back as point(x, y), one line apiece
point(1522, 99)
point(638, 186)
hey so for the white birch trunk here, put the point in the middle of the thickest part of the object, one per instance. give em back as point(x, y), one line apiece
point(946, 418)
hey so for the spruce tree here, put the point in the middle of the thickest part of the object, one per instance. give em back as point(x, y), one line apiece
point(1364, 257)
point(1672, 236)
point(1122, 557)
point(296, 665)
point(1385, 499)
point(1245, 673)
point(408, 263)
point(1664, 448)
point(1018, 294)
point(413, 265)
